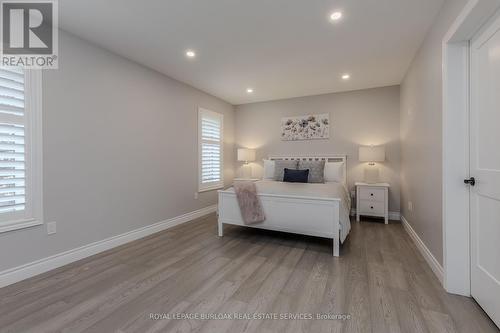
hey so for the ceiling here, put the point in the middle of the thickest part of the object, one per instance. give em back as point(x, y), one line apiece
point(280, 48)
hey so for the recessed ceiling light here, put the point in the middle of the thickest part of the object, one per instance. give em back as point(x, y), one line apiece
point(190, 54)
point(249, 90)
point(335, 16)
point(346, 77)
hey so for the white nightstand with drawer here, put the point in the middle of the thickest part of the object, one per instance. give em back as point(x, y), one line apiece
point(237, 180)
point(372, 200)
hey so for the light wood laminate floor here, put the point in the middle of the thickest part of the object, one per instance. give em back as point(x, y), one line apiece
point(380, 280)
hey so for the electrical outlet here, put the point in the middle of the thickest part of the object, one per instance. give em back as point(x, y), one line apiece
point(353, 194)
point(410, 206)
point(195, 195)
point(51, 228)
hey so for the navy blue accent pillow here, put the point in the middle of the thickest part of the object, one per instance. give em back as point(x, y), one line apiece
point(295, 176)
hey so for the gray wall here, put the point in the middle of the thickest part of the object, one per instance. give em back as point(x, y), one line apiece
point(421, 134)
point(360, 117)
point(120, 151)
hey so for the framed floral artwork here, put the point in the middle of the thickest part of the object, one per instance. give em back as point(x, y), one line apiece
point(309, 127)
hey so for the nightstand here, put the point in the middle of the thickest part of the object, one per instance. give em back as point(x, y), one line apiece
point(235, 180)
point(372, 200)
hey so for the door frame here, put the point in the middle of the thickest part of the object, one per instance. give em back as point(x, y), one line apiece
point(455, 163)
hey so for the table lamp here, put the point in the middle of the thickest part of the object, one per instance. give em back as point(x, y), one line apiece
point(371, 154)
point(246, 155)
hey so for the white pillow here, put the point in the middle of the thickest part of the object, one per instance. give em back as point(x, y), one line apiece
point(334, 172)
point(269, 169)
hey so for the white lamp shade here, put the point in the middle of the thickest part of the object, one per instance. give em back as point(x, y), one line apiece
point(246, 155)
point(371, 153)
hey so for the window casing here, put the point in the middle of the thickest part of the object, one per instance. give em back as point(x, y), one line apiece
point(210, 150)
point(20, 149)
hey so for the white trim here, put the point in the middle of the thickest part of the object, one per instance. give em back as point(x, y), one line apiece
point(34, 113)
point(19, 224)
point(394, 216)
point(455, 50)
point(210, 188)
point(22, 272)
point(426, 253)
point(33, 212)
point(456, 168)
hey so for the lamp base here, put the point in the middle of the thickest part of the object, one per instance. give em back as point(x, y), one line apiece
point(246, 171)
point(371, 175)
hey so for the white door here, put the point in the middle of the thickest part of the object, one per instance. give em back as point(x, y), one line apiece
point(485, 168)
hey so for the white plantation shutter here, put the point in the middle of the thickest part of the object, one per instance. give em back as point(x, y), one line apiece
point(17, 184)
point(210, 150)
point(12, 125)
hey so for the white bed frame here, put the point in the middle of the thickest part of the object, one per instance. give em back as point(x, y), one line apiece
point(311, 216)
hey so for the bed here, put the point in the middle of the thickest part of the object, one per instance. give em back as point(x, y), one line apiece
point(320, 210)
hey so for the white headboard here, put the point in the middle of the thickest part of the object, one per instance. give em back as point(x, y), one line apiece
point(326, 158)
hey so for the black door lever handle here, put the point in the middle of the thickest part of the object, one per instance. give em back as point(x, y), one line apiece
point(471, 181)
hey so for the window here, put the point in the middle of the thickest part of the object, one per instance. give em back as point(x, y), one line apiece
point(20, 149)
point(210, 141)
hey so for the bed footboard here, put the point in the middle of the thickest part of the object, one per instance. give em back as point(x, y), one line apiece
point(300, 215)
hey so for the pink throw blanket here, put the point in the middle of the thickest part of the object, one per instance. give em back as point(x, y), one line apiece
point(250, 206)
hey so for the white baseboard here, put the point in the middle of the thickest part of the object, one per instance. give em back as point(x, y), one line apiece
point(426, 253)
point(25, 271)
point(395, 216)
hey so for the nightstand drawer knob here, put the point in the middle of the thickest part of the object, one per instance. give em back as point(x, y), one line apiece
point(371, 207)
point(371, 194)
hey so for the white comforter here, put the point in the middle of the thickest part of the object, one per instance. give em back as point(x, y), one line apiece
point(332, 190)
